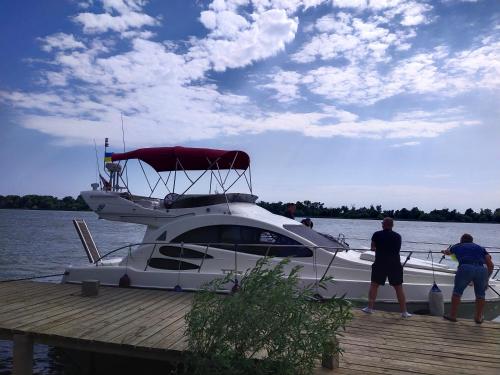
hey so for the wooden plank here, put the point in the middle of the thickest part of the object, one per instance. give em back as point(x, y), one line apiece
point(348, 363)
point(131, 322)
point(97, 316)
point(388, 362)
point(462, 333)
point(373, 332)
point(34, 295)
point(58, 307)
point(432, 321)
point(177, 331)
point(437, 359)
point(414, 324)
point(171, 324)
point(151, 323)
point(430, 348)
point(147, 323)
point(78, 310)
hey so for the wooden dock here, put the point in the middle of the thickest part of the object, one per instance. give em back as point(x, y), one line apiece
point(150, 324)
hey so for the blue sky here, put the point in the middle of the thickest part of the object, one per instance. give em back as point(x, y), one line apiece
point(356, 102)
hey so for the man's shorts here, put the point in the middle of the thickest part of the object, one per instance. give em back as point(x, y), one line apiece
point(466, 273)
point(384, 271)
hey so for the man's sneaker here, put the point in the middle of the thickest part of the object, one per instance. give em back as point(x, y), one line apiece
point(367, 310)
point(406, 314)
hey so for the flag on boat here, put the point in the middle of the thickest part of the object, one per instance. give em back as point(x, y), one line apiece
point(107, 157)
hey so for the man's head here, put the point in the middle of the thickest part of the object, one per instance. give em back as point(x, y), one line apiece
point(466, 238)
point(387, 223)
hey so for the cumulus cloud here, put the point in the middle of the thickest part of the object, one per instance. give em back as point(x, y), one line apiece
point(437, 72)
point(120, 15)
point(99, 23)
point(60, 41)
point(167, 94)
point(234, 41)
point(343, 35)
point(285, 84)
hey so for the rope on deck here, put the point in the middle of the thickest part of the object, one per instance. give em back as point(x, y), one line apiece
point(31, 278)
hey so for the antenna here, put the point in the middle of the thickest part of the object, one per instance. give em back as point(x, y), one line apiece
point(106, 145)
point(98, 170)
point(123, 132)
point(123, 139)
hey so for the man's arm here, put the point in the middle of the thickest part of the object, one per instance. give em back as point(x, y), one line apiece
point(373, 247)
point(489, 264)
point(447, 251)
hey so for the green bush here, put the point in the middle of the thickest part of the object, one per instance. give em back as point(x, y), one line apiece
point(271, 325)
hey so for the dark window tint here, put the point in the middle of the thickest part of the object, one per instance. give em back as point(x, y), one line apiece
point(249, 240)
point(171, 264)
point(199, 235)
point(162, 237)
point(313, 236)
point(178, 252)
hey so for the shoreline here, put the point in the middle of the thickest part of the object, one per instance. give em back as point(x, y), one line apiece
point(298, 216)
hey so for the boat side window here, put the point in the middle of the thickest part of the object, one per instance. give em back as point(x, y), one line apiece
point(209, 234)
point(178, 252)
point(162, 237)
point(250, 240)
point(171, 264)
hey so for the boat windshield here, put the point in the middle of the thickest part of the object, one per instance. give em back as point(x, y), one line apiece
point(317, 238)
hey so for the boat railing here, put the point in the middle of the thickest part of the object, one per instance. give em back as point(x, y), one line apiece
point(234, 247)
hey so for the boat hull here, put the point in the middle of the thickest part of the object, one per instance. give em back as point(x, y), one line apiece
point(355, 290)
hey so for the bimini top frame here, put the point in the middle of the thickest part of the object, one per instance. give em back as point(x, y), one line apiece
point(177, 159)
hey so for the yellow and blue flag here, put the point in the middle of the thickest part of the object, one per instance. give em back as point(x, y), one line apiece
point(107, 157)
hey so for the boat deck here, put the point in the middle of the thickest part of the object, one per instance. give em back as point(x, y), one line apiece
point(150, 324)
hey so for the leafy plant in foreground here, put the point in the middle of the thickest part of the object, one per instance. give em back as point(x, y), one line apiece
point(271, 325)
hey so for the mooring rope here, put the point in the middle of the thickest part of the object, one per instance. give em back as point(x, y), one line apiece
point(417, 242)
point(32, 278)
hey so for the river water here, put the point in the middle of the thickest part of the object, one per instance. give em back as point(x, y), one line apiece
point(44, 242)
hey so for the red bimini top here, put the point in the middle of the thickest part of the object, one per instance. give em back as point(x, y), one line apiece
point(190, 159)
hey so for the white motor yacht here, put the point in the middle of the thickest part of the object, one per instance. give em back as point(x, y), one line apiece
point(191, 239)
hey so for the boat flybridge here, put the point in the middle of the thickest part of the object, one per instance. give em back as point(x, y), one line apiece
point(191, 239)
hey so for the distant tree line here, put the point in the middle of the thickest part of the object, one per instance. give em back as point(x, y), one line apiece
point(304, 209)
point(43, 202)
point(318, 209)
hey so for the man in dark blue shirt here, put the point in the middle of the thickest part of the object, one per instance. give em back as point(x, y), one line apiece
point(474, 265)
point(387, 244)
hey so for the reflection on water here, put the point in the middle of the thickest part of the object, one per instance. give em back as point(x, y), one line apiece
point(45, 242)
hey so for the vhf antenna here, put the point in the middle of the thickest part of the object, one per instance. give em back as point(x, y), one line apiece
point(106, 145)
point(98, 170)
point(123, 139)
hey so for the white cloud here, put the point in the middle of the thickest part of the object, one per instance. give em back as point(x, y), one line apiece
point(234, 42)
point(98, 23)
point(405, 144)
point(60, 41)
point(123, 6)
point(437, 72)
point(166, 97)
point(353, 38)
point(286, 85)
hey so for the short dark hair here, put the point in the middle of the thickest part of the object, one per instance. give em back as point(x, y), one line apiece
point(466, 237)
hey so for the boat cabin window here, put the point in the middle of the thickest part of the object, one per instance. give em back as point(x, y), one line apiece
point(171, 264)
point(178, 252)
point(250, 240)
point(313, 236)
point(162, 237)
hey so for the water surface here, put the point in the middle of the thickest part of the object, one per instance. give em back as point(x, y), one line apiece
point(36, 243)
